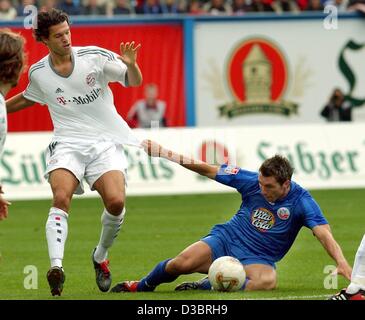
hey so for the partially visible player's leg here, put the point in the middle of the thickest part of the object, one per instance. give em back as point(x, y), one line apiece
point(63, 184)
point(260, 277)
point(356, 289)
point(358, 271)
point(217, 248)
point(195, 258)
point(111, 187)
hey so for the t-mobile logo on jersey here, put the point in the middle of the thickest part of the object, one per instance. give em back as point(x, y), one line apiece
point(61, 100)
point(88, 98)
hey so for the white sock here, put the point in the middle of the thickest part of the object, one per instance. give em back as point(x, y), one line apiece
point(56, 233)
point(358, 271)
point(110, 229)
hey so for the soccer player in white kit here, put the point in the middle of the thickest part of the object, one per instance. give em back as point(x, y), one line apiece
point(356, 289)
point(11, 65)
point(88, 133)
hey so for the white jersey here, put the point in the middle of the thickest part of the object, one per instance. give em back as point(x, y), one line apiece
point(3, 123)
point(82, 104)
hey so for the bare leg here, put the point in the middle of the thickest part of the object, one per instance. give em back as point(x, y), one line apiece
point(261, 277)
point(111, 187)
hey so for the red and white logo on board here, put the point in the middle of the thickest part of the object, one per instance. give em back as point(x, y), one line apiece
point(257, 76)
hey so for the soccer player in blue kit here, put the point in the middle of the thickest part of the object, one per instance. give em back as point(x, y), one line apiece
point(272, 212)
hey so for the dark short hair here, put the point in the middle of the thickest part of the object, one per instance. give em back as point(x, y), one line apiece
point(11, 56)
point(47, 19)
point(278, 167)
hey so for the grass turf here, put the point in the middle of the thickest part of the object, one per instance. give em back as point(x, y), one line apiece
point(157, 228)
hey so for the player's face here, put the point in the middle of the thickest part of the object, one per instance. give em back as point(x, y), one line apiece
point(271, 189)
point(59, 40)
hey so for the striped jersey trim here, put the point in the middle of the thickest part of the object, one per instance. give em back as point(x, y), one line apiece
point(96, 51)
point(36, 65)
point(35, 68)
point(52, 147)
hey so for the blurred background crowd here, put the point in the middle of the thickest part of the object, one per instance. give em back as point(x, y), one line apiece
point(10, 9)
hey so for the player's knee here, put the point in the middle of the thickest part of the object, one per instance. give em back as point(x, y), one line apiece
point(115, 205)
point(61, 200)
point(179, 265)
point(266, 283)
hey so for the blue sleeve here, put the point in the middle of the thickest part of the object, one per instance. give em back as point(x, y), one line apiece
point(236, 177)
point(311, 212)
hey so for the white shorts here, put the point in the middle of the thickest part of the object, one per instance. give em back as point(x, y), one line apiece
point(85, 161)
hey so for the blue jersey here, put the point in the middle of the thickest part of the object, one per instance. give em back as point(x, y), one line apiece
point(263, 229)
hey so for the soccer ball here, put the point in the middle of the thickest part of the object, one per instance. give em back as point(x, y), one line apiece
point(226, 274)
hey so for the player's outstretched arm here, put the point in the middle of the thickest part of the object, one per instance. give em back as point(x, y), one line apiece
point(156, 150)
point(17, 103)
point(3, 206)
point(128, 54)
point(324, 235)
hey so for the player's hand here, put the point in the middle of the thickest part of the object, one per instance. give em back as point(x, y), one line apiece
point(128, 52)
point(344, 270)
point(152, 148)
point(4, 208)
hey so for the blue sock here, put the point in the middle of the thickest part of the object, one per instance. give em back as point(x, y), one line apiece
point(157, 276)
point(204, 284)
point(245, 283)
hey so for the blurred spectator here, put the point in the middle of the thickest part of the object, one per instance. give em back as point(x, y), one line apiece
point(314, 5)
point(93, 8)
point(22, 5)
point(353, 2)
point(174, 6)
point(302, 4)
point(195, 7)
point(259, 6)
point(149, 7)
point(239, 7)
point(46, 5)
point(281, 6)
point(70, 7)
point(341, 5)
point(7, 11)
point(122, 7)
point(338, 108)
point(217, 7)
point(149, 110)
point(356, 5)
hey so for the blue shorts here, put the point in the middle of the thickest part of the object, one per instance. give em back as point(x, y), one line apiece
point(222, 248)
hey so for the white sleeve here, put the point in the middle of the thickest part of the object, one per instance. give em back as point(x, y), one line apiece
point(3, 125)
point(33, 92)
point(115, 71)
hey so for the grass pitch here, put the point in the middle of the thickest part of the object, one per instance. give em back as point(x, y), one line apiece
point(157, 228)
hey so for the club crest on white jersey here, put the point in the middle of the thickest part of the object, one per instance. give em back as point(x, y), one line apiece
point(91, 79)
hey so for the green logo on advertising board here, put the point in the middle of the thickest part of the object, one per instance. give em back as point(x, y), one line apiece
point(348, 72)
point(322, 163)
point(29, 169)
point(149, 168)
